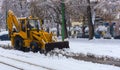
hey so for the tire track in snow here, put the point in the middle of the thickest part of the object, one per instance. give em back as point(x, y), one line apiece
point(11, 65)
point(22, 62)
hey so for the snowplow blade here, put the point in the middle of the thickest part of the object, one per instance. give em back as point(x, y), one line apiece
point(59, 45)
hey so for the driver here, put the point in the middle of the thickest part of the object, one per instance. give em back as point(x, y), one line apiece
point(29, 26)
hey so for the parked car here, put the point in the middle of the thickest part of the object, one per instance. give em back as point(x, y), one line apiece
point(107, 36)
point(97, 35)
point(79, 35)
point(4, 35)
point(117, 37)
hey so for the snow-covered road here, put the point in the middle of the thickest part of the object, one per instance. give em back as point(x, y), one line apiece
point(41, 62)
point(47, 62)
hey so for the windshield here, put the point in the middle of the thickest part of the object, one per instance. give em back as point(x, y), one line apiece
point(34, 24)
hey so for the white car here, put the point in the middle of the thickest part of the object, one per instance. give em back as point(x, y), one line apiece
point(107, 36)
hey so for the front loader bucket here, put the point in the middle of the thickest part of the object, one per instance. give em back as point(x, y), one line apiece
point(59, 45)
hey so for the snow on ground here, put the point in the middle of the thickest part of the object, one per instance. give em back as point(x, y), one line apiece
point(5, 67)
point(97, 46)
point(53, 62)
point(100, 47)
point(5, 43)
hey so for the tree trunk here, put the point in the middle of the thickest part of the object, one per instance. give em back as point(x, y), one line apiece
point(83, 27)
point(66, 33)
point(58, 33)
point(69, 32)
point(90, 24)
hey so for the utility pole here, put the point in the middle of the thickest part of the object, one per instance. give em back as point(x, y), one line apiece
point(63, 19)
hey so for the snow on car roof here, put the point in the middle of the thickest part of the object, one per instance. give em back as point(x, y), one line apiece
point(3, 32)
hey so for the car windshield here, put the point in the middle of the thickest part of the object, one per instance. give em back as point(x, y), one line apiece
point(34, 23)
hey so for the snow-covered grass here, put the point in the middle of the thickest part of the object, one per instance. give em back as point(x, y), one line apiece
point(100, 47)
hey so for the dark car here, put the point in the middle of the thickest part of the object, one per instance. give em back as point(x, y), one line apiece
point(79, 35)
point(4, 36)
point(117, 37)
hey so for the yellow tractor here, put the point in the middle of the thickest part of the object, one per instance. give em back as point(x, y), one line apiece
point(26, 34)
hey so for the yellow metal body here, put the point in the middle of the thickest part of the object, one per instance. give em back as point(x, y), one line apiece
point(28, 35)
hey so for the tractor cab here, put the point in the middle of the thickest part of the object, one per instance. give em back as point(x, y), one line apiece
point(33, 24)
point(29, 24)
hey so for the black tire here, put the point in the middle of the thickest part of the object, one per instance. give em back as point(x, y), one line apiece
point(25, 49)
point(18, 43)
point(34, 47)
point(42, 51)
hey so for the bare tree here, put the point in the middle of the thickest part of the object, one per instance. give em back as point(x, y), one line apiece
point(74, 9)
point(50, 10)
point(19, 7)
point(108, 9)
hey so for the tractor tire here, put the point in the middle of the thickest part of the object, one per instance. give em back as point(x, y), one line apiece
point(42, 51)
point(18, 43)
point(26, 49)
point(34, 47)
